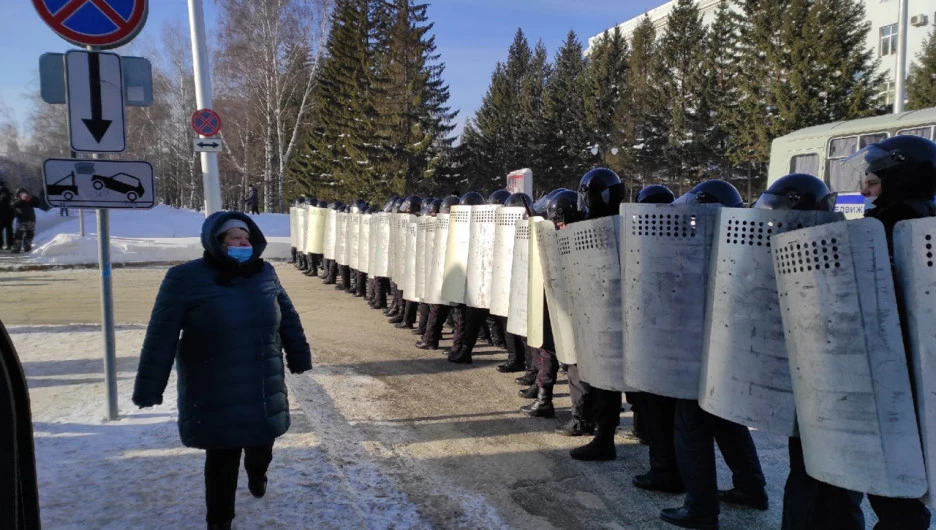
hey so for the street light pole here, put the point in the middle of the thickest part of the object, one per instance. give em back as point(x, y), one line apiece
point(900, 82)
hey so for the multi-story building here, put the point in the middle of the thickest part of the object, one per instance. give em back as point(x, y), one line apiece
point(882, 37)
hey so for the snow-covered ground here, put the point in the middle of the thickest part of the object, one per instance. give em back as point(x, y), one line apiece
point(135, 473)
point(161, 235)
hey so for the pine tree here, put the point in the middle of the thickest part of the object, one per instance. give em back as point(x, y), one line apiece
point(565, 135)
point(921, 84)
point(721, 94)
point(606, 86)
point(682, 84)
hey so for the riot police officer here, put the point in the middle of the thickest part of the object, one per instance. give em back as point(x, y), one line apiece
point(515, 344)
point(356, 278)
point(381, 285)
point(407, 315)
point(438, 313)
point(430, 208)
point(457, 353)
point(697, 430)
point(312, 263)
point(395, 306)
point(331, 265)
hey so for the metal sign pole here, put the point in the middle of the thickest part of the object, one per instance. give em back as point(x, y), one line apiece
point(900, 80)
point(107, 305)
point(209, 160)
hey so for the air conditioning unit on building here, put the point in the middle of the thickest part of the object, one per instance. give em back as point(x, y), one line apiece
point(918, 20)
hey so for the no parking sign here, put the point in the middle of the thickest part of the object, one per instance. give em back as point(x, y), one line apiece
point(100, 23)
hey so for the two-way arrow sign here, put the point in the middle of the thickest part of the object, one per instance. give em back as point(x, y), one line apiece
point(206, 145)
point(95, 102)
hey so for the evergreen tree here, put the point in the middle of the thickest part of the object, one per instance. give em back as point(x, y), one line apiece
point(921, 84)
point(565, 135)
point(682, 85)
point(721, 94)
point(606, 86)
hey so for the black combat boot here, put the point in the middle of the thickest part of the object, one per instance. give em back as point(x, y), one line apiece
point(600, 448)
point(219, 526)
point(463, 356)
point(526, 379)
point(543, 406)
point(530, 392)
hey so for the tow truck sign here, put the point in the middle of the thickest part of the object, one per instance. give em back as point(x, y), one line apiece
point(101, 184)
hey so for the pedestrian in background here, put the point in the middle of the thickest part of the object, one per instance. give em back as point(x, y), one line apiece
point(253, 201)
point(235, 319)
point(24, 212)
point(6, 217)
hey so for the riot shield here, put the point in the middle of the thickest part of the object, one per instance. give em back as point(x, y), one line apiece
point(427, 257)
point(455, 274)
point(380, 241)
point(665, 254)
point(520, 280)
point(421, 228)
point(341, 239)
point(293, 233)
point(745, 374)
point(505, 226)
point(591, 270)
point(854, 406)
point(437, 263)
point(331, 233)
point(315, 238)
point(399, 248)
point(302, 222)
point(480, 256)
point(916, 284)
point(364, 243)
point(557, 295)
point(409, 266)
point(354, 239)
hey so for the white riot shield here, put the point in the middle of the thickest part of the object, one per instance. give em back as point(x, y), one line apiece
point(481, 256)
point(302, 222)
point(745, 374)
point(505, 226)
point(293, 220)
point(665, 252)
point(428, 255)
point(354, 239)
point(341, 240)
point(854, 405)
point(315, 238)
point(455, 274)
point(916, 280)
point(437, 263)
point(591, 269)
point(372, 244)
point(520, 280)
point(419, 291)
point(409, 265)
point(364, 244)
point(331, 233)
point(380, 240)
point(557, 295)
point(399, 248)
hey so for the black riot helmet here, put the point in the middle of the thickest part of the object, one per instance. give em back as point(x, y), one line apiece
point(447, 203)
point(905, 164)
point(388, 207)
point(600, 193)
point(498, 197)
point(521, 199)
point(713, 192)
point(337, 205)
point(299, 200)
point(370, 210)
point(358, 206)
point(322, 203)
point(343, 208)
point(397, 202)
point(797, 191)
point(539, 207)
point(563, 208)
point(431, 206)
point(411, 204)
point(311, 200)
point(472, 198)
point(656, 194)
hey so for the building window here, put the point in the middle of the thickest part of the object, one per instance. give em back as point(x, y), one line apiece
point(888, 39)
point(890, 92)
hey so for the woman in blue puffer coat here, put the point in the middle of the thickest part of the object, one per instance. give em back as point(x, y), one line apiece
point(225, 319)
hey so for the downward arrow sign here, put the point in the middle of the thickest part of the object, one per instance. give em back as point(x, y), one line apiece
point(97, 126)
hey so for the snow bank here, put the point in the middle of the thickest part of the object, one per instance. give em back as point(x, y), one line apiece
point(161, 235)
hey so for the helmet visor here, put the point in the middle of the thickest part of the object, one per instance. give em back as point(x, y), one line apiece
point(771, 201)
point(873, 159)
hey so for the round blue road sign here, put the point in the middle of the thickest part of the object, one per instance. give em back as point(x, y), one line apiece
point(99, 23)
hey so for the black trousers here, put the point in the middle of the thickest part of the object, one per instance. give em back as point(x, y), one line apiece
point(381, 288)
point(548, 367)
point(410, 312)
point(6, 232)
point(607, 410)
point(221, 469)
point(423, 318)
point(474, 320)
point(438, 313)
point(658, 416)
point(331, 269)
point(582, 397)
point(697, 432)
point(360, 284)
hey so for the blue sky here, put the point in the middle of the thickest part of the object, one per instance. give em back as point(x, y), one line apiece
point(472, 36)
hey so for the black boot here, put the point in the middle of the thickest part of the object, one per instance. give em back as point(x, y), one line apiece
point(683, 518)
point(526, 379)
point(396, 319)
point(423, 345)
point(543, 406)
point(576, 427)
point(257, 487)
point(530, 392)
point(463, 356)
point(219, 526)
point(600, 448)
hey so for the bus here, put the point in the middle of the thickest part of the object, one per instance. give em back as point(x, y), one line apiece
point(820, 150)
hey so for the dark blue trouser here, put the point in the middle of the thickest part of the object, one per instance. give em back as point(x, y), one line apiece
point(697, 432)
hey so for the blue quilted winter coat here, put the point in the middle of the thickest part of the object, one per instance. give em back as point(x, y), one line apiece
point(225, 325)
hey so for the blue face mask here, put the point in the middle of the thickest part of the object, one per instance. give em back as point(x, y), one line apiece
point(869, 203)
point(240, 254)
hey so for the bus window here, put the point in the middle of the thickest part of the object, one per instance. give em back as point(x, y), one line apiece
point(925, 132)
point(841, 178)
point(868, 139)
point(808, 164)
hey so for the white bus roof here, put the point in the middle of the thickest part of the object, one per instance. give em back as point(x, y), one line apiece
point(886, 121)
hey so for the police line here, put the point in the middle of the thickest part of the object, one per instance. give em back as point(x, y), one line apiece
point(773, 319)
